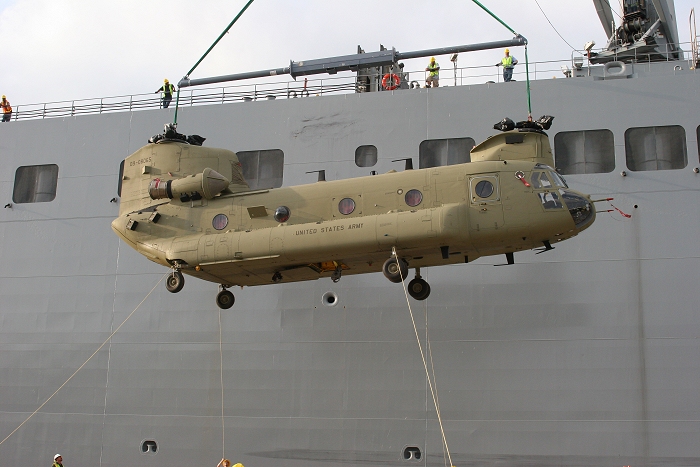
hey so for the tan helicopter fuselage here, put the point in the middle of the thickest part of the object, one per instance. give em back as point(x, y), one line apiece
point(431, 217)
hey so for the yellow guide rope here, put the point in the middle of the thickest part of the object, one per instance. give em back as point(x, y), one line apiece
point(86, 361)
point(433, 387)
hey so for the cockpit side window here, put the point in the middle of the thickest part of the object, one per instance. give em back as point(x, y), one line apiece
point(540, 180)
point(558, 179)
point(550, 200)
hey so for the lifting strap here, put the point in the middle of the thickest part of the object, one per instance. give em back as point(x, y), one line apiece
point(177, 99)
point(527, 63)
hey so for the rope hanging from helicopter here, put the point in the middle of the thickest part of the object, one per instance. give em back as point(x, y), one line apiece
point(431, 381)
point(86, 361)
point(187, 76)
point(221, 375)
point(527, 62)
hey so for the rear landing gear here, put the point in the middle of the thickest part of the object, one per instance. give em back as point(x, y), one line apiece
point(175, 281)
point(225, 299)
point(418, 288)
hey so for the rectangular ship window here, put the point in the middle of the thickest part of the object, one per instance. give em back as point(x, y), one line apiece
point(366, 156)
point(656, 148)
point(439, 152)
point(262, 169)
point(35, 184)
point(584, 152)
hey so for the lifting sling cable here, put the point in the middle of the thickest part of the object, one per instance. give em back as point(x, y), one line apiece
point(221, 360)
point(527, 65)
point(86, 361)
point(187, 76)
point(433, 388)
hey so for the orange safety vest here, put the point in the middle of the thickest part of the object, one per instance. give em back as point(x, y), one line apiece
point(6, 109)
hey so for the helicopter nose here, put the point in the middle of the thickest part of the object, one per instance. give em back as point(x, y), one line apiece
point(580, 207)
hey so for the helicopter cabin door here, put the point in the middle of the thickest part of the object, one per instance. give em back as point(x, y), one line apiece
point(485, 206)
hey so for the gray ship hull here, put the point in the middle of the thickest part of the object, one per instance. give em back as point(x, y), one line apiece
point(585, 355)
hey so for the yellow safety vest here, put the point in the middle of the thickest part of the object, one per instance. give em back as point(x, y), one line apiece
point(507, 61)
point(168, 89)
point(433, 69)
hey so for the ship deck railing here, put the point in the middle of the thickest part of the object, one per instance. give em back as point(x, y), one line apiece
point(289, 89)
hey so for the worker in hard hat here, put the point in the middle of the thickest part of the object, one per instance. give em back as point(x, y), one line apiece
point(433, 70)
point(227, 463)
point(167, 91)
point(6, 109)
point(507, 62)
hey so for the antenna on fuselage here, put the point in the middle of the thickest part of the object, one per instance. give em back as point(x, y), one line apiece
point(409, 162)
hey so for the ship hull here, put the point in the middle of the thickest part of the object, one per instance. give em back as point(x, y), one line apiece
point(585, 355)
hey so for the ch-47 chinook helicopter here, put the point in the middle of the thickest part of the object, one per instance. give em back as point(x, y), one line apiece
point(189, 208)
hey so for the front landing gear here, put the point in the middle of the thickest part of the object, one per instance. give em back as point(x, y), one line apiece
point(225, 299)
point(175, 281)
point(395, 269)
point(418, 288)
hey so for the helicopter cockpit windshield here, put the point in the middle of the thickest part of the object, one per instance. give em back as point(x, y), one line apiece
point(554, 194)
point(545, 177)
point(549, 181)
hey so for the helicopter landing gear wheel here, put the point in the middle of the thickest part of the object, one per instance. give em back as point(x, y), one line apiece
point(394, 269)
point(418, 288)
point(175, 282)
point(225, 299)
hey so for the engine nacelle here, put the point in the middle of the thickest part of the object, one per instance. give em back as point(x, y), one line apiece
point(207, 184)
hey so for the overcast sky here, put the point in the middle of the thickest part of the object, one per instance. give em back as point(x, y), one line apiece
point(53, 50)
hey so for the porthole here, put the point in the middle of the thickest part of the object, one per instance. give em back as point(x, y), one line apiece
point(282, 214)
point(346, 206)
point(329, 299)
point(413, 198)
point(220, 221)
point(483, 189)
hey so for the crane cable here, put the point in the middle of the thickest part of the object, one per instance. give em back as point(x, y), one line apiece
point(431, 384)
point(86, 361)
point(527, 62)
point(187, 76)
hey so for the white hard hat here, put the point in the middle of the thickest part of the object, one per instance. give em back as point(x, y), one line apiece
point(56, 456)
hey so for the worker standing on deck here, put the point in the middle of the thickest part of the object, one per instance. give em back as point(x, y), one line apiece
point(433, 73)
point(167, 89)
point(507, 62)
point(6, 109)
point(57, 459)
